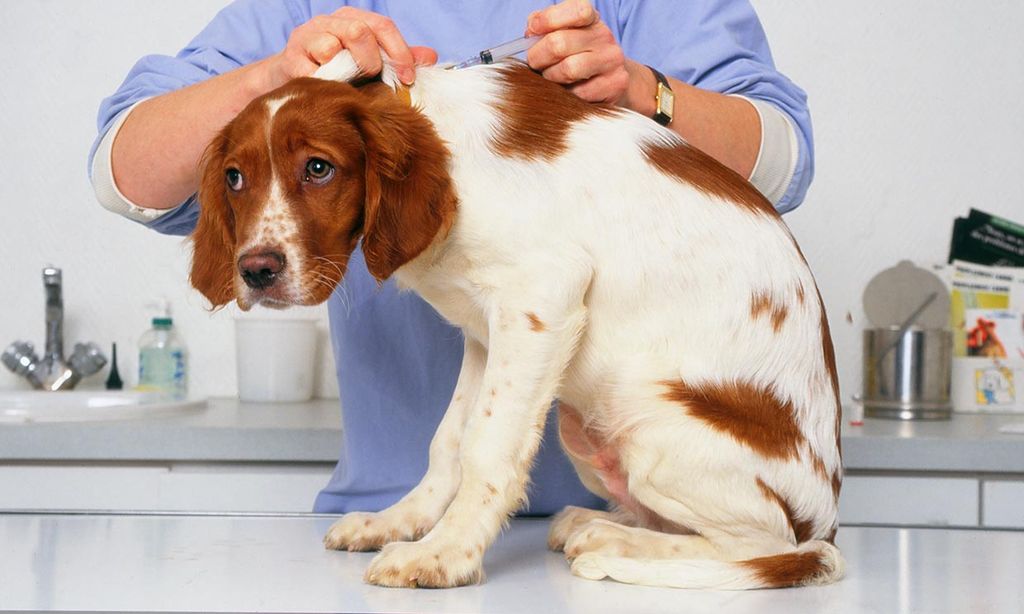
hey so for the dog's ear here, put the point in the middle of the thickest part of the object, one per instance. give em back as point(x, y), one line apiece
point(213, 241)
point(409, 194)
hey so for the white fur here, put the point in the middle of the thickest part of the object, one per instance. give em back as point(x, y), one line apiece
point(627, 268)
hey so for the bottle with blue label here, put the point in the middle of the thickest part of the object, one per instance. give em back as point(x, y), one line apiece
point(163, 361)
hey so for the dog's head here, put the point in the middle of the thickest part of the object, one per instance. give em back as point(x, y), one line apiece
point(290, 186)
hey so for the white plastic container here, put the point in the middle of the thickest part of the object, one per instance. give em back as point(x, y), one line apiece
point(276, 359)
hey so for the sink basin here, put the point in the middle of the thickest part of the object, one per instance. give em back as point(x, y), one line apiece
point(87, 405)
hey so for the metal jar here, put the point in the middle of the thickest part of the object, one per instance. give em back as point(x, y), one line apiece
point(907, 376)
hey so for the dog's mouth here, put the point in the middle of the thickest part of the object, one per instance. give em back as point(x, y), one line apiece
point(313, 290)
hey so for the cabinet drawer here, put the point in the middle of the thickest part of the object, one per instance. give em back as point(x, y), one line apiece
point(909, 501)
point(207, 488)
point(1003, 504)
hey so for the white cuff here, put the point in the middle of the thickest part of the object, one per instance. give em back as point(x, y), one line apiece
point(103, 178)
point(779, 152)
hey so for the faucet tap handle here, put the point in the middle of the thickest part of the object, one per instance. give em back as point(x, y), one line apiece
point(87, 359)
point(20, 357)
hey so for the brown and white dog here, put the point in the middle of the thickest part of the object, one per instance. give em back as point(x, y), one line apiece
point(588, 255)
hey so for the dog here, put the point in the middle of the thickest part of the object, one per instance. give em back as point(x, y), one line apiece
point(589, 255)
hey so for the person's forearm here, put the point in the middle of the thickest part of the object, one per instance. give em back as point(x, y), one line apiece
point(725, 127)
point(157, 150)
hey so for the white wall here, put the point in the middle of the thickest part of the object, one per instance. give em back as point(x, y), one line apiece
point(60, 58)
point(917, 116)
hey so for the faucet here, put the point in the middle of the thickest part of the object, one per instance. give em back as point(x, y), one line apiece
point(52, 371)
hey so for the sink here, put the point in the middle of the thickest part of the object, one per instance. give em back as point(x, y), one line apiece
point(87, 405)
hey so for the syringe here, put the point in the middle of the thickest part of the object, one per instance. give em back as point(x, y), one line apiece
point(499, 52)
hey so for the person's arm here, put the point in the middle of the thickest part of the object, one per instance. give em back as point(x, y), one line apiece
point(719, 47)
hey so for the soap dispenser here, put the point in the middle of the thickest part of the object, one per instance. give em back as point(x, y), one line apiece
point(163, 361)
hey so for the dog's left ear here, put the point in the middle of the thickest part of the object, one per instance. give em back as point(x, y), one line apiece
point(213, 241)
point(409, 194)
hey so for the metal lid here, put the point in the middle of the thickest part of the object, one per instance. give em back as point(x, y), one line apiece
point(893, 296)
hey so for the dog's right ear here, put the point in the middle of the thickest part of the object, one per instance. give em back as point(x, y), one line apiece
point(213, 241)
point(409, 194)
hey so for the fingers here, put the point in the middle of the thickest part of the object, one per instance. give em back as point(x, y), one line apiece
point(578, 50)
point(362, 33)
point(568, 56)
point(608, 87)
point(567, 14)
point(424, 56)
point(388, 38)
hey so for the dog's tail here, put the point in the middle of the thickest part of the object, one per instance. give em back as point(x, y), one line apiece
point(813, 562)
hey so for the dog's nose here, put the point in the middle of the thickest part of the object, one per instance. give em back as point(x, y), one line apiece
point(259, 270)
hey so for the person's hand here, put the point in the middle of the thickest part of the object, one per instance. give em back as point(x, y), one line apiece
point(579, 51)
point(361, 32)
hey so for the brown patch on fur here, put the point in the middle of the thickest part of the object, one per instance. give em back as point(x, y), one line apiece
point(819, 465)
point(536, 325)
point(694, 167)
point(761, 303)
point(837, 483)
point(752, 415)
point(800, 293)
point(536, 115)
point(782, 570)
point(803, 530)
point(491, 489)
point(410, 199)
point(487, 412)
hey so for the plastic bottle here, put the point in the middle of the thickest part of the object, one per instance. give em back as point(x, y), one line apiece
point(163, 366)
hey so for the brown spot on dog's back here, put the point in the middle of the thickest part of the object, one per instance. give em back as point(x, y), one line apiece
point(752, 415)
point(761, 303)
point(802, 529)
point(694, 167)
point(536, 325)
point(782, 570)
point(536, 115)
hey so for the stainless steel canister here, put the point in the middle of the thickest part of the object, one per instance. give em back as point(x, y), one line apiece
point(907, 376)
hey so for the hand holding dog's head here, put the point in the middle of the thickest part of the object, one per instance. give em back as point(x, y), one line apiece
point(290, 186)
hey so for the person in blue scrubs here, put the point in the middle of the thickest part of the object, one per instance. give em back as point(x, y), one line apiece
point(397, 360)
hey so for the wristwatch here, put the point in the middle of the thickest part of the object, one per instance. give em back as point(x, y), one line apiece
point(664, 100)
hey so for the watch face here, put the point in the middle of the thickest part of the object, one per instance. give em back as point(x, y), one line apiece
point(666, 101)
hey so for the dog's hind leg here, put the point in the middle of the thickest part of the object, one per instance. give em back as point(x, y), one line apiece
point(748, 535)
point(418, 511)
point(570, 520)
point(606, 537)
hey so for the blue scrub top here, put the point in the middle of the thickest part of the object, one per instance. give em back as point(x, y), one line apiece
point(397, 360)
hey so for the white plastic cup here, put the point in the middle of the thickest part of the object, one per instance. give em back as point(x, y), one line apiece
point(275, 359)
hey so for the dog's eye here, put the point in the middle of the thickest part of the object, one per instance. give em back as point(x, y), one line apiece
point(318, 171)
point(234, 178)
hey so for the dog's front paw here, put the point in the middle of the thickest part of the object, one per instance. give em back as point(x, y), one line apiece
point(365, 531)
point(426, 564)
